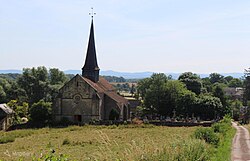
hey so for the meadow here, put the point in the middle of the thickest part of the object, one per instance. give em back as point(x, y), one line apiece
point(124, 142)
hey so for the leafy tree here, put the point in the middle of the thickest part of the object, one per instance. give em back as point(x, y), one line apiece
point(247, 86)
point(40, 113)
point(216, 77)
point(156, 79)
point(57, 77)
point(10, 90)
point(208, 107)
point(228, 78)
point(35, 83)
point(235, 82)
point(207, 85)
point(236, 105)
point(192, 81)
point(2, 94)
point(154, 92)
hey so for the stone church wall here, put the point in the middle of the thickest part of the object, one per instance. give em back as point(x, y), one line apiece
point(77, 101)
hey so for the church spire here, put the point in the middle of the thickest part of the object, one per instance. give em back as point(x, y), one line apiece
point(90, 69)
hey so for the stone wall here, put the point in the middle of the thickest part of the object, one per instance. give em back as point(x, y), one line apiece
point(77, 101)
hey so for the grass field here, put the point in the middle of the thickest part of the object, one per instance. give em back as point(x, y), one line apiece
point(102, 143)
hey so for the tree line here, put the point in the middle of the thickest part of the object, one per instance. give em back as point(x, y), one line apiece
point(31, 93)
point(191, 95)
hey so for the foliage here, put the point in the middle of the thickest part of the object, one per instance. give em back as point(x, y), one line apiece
point(208, 135)
point(56, 76)
point(226, 133)
point(220, 135)
point(163, 96)
point(216, 78)
point(152, 90)
point(212, 105)
point(115, 79)
point(235, 82)
point(39, 84)
point(235, 106)
point(247, 86)
point(40, 112)
point(218, 91)
point(21, 110)
point(192, 81)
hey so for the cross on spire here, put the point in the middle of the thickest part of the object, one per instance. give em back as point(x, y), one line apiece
point(92, 13)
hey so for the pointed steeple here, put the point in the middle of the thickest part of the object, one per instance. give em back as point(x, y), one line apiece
point(90, 69)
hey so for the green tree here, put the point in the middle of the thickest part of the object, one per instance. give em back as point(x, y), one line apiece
point(40, 113)
point(208, 107)
point(236, 105)
point(246, 86)
point(218, 91)
point(235, 82)
point(192, 81)
point(228, 78)
point(156, 79)
point(216, 77)
point(154, 92)
point(2, 94)
point(35, 83)
point(57, 77)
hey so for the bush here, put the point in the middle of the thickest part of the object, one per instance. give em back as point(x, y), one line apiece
point(40, 113)
point(223, 126)
point(208, 135)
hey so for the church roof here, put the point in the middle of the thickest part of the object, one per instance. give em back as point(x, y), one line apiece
point(91, 61)
point(103, 86)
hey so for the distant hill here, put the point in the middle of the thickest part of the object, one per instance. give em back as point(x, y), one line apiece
point(129, 75)
point(10, 71)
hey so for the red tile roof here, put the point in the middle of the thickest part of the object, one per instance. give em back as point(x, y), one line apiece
point(103, 86)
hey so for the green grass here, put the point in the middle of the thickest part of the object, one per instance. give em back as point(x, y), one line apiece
point(223, 152)
point(220, 137)
point(126, 142)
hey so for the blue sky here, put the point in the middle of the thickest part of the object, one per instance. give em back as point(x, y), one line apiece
point(201, 36)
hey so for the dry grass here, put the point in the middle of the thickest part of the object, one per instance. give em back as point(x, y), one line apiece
point(96, 142)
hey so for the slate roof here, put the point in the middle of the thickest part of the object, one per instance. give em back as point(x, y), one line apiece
point(91, 61)
point(6, 109)
point(103, 86)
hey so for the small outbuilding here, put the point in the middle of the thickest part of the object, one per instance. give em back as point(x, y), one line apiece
point(6, 116)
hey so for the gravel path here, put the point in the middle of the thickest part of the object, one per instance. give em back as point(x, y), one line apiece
point(241, 144)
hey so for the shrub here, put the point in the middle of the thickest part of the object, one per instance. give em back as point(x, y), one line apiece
point(223, 126)
point(40, 112)
point(208, 135)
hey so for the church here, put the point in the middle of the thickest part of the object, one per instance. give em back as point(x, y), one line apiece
point(89, 97)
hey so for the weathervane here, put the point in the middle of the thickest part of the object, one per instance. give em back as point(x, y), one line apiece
point(92, 13)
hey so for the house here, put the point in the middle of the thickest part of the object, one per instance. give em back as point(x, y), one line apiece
point(6, 116)
point(88, 96)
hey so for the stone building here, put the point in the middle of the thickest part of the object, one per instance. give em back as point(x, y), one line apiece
point(88, 96)
point(6, 116)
